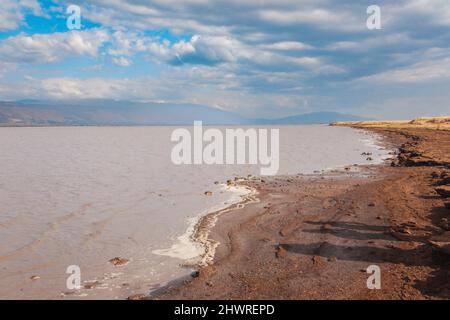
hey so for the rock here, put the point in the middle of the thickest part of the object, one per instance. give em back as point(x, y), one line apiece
point(280, 252)
point(216, 182)
point(195, 274)
point(326, 227)
point(400, 233)
point(441, 243)
point(317, 260)
point(420, 162)
point(91, 285)
point(445, 174)
point(371, 204)
point(208, 193)
point(34, 278)
point(369, 158)
point(332, 259)
point(444, 191)
point(118, 261)
point(138, 296)
point(434, 175)
point(404, 230)
point(444, 181)
point(445, 224)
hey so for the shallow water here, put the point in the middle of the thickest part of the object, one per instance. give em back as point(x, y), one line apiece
point(83, 195)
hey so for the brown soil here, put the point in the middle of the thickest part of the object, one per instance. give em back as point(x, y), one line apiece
point(313, 237)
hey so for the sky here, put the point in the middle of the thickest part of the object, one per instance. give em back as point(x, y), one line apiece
point(257, 58)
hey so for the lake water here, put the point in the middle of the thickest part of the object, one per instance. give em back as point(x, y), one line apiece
point(83, 195)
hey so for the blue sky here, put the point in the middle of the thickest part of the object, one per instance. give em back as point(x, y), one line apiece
point(256, 57)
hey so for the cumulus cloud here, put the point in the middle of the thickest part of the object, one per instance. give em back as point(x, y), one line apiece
point(257, 54)
point(122, 62)
point(424, 71)
point(12, 12)
point(44, 48)
point(288, 45)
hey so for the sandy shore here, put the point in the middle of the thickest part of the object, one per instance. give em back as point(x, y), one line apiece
point(313, 237)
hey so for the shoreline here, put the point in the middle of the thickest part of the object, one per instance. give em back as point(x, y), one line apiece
point(205, 223)
point(197, 238)
point(236, 240)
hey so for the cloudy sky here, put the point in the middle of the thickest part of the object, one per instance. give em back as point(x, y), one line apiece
point(256, 57)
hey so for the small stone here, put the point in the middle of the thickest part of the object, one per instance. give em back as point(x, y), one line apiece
point(317, 260)
point(91, 285)
point(281, 252)
point(138, 296)
point(405, 231)
point(444, 191)
point(208, 193)
point(371, 204)
point(34, 278)
point(195, 274)
point(441, 242)
point(445, 224)
point(118, 261)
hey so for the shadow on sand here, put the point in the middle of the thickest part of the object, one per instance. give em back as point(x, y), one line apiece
point(436, 285)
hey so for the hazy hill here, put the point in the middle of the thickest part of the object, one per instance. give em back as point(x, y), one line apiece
point(113, 112)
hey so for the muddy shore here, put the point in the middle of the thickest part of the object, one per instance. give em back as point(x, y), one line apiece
point(313, 236)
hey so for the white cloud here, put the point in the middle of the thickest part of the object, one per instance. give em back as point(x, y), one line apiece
point(438, 11)
point(328, 19)
point(75, 88)
point(377, 41)
point(44, 48)
point(12, 12)
point(122, 62)
point(288, 45)
point(424, 71)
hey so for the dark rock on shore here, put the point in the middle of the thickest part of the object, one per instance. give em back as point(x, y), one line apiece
point(443, 191)
point(118, 261)
point(441, 243)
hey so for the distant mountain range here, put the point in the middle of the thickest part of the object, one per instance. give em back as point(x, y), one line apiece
point(113, 112)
